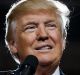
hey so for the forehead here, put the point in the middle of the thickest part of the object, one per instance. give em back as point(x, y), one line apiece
point(48, 14)
point(36, 11)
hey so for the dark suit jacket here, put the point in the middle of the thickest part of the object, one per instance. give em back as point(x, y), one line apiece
point(61, 73)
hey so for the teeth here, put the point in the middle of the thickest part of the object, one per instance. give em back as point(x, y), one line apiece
point(43, 48)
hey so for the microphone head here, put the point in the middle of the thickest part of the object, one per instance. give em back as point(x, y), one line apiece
point(31, 61)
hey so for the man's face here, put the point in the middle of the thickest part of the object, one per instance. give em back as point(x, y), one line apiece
point(39, 34)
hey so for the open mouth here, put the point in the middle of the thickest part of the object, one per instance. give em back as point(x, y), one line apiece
point(44, 47)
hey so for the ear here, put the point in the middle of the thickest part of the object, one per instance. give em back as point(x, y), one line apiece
point(64, 39)
point(64, 43)
point(13, 47)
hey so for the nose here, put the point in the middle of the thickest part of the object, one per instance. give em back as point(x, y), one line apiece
point(42, 34)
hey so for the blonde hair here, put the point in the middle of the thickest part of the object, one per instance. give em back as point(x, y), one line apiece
point(26, 5)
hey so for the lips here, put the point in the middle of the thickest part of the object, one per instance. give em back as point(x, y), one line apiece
point(44, 47)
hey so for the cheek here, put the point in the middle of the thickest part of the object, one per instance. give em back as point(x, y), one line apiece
point(26, 40)
point(24, 44)
point(56, 36)
point(30, 38)
point(57, 39)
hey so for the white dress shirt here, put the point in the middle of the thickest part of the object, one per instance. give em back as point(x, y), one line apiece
point(57, 71)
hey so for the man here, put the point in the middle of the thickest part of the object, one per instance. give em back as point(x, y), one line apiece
point(38, 27)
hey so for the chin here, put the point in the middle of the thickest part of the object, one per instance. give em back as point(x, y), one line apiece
point(45, 61)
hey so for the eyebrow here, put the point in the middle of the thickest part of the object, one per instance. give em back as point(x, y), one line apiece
point(28, 23)
point(32, 23)
point(49, 21)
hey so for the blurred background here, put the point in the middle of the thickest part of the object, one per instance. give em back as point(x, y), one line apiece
point(70, 63)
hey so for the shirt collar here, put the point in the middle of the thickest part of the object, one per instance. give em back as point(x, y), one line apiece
point(57, 72)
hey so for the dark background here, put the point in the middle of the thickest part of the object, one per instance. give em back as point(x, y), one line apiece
point(70, 62)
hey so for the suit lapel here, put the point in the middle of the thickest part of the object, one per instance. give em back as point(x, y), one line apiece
point(61, 73)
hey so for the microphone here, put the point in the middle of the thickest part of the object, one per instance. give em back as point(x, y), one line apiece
point(28, 67)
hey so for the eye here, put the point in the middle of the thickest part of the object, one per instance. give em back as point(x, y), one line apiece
point(30, 28)
point(51, 25)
